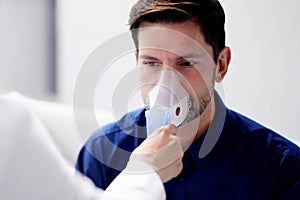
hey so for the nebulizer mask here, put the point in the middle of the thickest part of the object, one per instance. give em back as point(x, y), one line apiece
point(168, 102)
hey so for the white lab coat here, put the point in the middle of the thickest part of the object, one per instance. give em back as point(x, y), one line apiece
point(31, 168)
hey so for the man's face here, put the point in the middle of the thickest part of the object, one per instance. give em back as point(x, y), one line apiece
point(180, 47)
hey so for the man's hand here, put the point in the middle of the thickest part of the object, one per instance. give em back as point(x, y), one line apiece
point(162, 151)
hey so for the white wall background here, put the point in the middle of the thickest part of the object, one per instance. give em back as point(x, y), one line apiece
point(262, 81)
point(82, 26)
point(27, 47)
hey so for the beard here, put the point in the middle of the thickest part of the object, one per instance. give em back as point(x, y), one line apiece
point(195, 112)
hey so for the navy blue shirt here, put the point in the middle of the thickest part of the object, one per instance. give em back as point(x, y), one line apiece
point(248, 161)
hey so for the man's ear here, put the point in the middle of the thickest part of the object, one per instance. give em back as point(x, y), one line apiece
point(223, 63)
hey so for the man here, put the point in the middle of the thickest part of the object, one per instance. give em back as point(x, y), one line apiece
point(228, 156)
point(31, 168)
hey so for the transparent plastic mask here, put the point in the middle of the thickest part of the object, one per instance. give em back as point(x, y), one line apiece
point(168, 102)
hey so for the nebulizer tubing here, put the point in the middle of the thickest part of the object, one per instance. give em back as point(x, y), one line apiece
point(168, 102)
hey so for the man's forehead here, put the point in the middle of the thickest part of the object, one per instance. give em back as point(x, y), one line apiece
point(169, 40)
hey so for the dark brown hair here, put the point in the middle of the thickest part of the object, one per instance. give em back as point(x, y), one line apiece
point(208, 14)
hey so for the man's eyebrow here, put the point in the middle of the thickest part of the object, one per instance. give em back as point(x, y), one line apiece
point(186, 56)
point(190, 55)
point(148, 57)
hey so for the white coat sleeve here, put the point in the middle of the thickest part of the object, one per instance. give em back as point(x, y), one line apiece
point(31, 168)
point(143, 183)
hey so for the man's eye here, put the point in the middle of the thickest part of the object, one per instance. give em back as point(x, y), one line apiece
point(187, 64)
point(151, 63)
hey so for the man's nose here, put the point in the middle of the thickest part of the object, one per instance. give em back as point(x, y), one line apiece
point(170, 69)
